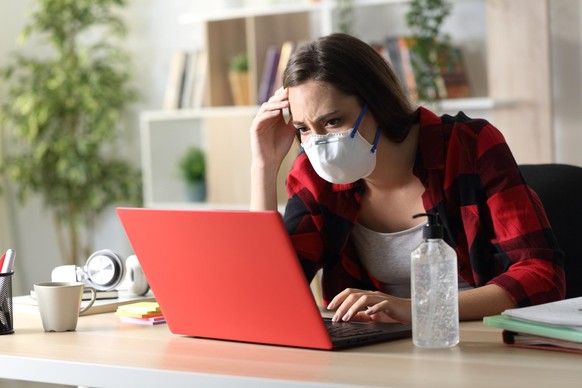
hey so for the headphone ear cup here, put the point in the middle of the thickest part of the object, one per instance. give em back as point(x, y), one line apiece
point(104, 270)
point(137, 282)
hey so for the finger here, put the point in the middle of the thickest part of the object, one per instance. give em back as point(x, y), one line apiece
point(339, 298)
point(384, 311)
point(383, 305)
point(281, 91)
point(362, 316)
point(280, 95)
point(360, 304)
point(343, 310)
point(274, 105)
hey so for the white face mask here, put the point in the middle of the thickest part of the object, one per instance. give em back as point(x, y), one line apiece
point(342, 157)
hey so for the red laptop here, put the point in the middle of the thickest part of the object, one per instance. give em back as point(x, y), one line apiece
point(233, 275)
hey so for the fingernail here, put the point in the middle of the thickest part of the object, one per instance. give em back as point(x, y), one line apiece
point(346, 317)
point(330, 306)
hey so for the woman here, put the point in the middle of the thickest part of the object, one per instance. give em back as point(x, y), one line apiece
point(370, 162)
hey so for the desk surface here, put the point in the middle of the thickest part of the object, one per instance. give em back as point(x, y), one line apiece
point(104, 352)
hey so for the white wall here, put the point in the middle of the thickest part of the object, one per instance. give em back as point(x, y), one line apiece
point(566, 22)
point(155, 35)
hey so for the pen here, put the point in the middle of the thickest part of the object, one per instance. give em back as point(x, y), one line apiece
point(7, 264)
point(8, 261)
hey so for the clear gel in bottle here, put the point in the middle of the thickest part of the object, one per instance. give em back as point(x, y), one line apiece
point(434, 289)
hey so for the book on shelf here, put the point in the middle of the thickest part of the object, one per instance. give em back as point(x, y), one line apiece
point(453, 73)
point(173, 92)
point(186, 80)
point(287, 49)
point(187, 86)
point(269, 73)
point(549, 326)
point(199, 81)
point(451, 79)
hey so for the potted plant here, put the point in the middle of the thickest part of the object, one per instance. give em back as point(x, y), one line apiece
point(425, 19)
point(192, 165)
point(61, 122)
point(239, 79)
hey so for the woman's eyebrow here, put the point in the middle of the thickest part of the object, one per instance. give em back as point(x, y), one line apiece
point(320, 118)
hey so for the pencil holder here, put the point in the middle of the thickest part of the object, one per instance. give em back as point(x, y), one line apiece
point(6, 313)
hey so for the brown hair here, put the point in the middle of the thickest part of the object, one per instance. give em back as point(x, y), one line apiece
point(355, 68)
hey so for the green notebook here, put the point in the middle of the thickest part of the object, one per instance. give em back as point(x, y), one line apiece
point(545, 330)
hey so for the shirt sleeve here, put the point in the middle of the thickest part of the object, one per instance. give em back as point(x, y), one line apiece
point(301, 216)
point(527, 253)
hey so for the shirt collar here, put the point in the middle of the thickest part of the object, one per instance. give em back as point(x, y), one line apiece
point(431, 141)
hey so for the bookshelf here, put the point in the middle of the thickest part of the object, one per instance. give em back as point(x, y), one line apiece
point(517, 95)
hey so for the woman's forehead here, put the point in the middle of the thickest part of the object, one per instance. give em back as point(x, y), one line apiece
point(315, 98)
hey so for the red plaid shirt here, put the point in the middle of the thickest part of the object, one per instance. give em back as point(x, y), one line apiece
point(492, 219)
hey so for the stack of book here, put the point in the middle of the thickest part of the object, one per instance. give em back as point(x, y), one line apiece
point(550, 326)
point(452, 80)
point(186, 83)
point(144, 313)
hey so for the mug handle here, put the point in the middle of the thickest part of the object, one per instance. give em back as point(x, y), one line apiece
point(93, 298)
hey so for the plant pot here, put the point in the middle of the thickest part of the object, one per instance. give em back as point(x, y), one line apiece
point(239, 85)
point(196, 191)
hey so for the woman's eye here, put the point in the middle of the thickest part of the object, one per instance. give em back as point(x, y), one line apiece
point(302, 130)
point(332, 123)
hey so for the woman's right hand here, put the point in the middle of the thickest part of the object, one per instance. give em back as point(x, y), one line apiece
point(271, 140)
point(271, 137)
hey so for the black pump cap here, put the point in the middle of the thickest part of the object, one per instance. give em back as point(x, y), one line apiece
point(433, 229)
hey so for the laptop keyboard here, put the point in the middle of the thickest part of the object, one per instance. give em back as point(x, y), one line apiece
point(343, 330)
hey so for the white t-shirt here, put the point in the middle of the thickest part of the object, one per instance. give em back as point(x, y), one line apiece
point(386, 256)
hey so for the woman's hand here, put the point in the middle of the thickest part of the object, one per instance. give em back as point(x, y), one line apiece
point(271, 140)
point(362, 305)
point(271, 137)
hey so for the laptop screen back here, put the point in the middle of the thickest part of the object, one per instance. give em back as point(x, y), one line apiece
point(226, 274)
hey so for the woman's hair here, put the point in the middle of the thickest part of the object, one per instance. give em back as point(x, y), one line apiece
point(354, 68)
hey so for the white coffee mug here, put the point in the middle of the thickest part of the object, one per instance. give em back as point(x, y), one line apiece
point(59, 304)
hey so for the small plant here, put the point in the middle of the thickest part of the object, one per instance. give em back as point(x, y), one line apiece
point(238, 77)
point(239, 63)
point(193, 168)
point(193, 165)
point(425, 19)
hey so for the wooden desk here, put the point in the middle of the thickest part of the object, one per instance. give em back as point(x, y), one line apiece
point(104, 352)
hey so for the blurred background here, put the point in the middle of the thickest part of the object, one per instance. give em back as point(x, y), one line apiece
point(158, 29)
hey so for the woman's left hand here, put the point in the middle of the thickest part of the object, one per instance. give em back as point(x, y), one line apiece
point(363, 305)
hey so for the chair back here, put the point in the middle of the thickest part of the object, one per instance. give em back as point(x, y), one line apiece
point(559, 187)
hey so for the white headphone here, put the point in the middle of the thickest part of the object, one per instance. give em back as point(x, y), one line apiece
point(138, 283)
point(104, 270)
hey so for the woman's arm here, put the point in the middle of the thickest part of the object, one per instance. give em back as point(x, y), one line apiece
point(482, 301)
point(271, 140)
point(377, 306)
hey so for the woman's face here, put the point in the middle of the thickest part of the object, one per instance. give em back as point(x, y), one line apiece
point(320, 108)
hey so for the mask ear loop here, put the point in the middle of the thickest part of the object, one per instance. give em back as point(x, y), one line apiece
point(360, 117)
point(376, 139)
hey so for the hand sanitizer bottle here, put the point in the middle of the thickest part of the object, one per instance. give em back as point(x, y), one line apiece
point(434, 289)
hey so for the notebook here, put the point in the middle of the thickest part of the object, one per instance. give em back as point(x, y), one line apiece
point(234, 275)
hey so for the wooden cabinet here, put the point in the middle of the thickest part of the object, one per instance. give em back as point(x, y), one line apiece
point(517, 99)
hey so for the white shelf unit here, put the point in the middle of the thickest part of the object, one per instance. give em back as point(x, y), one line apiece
point(165, 136)
point(517, 101)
